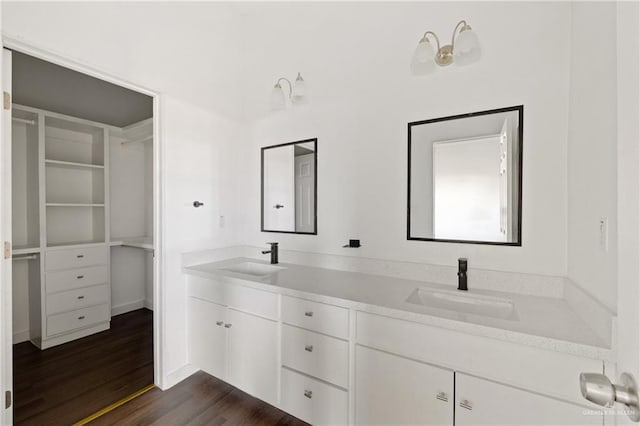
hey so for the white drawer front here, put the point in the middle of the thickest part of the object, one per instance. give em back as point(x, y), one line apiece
point(206, 289)
point(75, 278)
point(544, 371)
point(324, 357)
point(76, 299)
point(75, 258)
point(80, 318)
point(313, 401)
point(253, 301)
point(327, 319)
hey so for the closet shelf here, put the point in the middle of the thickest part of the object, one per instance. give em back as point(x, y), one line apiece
point(75, 244)
point(73, 165)
point(74, 205)
point(25, 250)
point(137, 242)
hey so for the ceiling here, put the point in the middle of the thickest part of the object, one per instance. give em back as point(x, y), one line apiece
point(41, 84)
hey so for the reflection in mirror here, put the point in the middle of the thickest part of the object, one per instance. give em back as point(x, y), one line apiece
point(465, 178)
point(289, 183)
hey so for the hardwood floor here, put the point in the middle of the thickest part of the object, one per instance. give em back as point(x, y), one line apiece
point(199, 400)
point(67, 383)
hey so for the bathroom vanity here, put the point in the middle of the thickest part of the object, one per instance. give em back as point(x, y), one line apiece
point(337, 347)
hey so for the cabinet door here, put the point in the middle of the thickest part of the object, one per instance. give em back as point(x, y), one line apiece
point(481, 402)
point(207, 336)
point(252, 355)
point(393, 390)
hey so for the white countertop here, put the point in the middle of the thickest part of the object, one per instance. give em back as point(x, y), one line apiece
point(544, 322)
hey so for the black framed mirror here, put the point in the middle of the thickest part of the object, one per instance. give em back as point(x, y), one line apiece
point(289, 183)
point(465, 178)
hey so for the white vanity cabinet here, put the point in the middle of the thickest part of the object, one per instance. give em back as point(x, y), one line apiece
point(390, 389)
point(230, 336)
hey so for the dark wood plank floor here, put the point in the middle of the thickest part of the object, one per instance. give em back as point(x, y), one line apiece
point(199, 400)
point(66, 383)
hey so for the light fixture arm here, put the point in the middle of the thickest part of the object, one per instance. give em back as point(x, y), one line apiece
point(424, 38)
point(289, 82)
point(455, 31)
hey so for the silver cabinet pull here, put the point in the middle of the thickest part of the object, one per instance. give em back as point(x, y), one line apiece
point(80, 297)
point(442, 396)
point(466, 404)
point(308, 348)
point(79, 277)
point(227, 325)
point(308, 394)
point(81, 317)
point(219, 323)
point(308, 314)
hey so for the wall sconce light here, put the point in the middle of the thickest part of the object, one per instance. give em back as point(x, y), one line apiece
point(463, 50)
point(297, 92)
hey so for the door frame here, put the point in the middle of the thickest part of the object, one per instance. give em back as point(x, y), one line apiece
point(159, 267)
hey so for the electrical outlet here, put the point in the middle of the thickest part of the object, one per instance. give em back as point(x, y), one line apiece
point(604, 234)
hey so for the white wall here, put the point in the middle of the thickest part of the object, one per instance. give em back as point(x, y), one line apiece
point(355, 59)
point(592, 149)
point(186, 51)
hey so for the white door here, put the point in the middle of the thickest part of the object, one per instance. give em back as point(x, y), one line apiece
point(392, 390)
point(252, 355)
point(6, 326)
point(207, 337)
point(279, 195)
point(482, 402)
point(305, 192)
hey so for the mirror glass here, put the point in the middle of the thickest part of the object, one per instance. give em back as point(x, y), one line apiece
point(289, 183)
point(465, 178)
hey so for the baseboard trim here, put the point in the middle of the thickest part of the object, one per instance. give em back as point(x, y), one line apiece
point(178, 375)
point(20, 336)
point(148, 304)
point(127, 307)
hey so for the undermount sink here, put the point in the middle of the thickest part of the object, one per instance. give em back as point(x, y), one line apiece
point(253, 268)
point(463, 302)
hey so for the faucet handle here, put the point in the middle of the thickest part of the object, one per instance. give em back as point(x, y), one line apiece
point(271, 244)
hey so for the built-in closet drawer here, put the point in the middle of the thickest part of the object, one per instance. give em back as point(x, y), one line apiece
point(313, 401)
point(75, 258)
point(544, 371)
point(321, 356)
point(206, 289)
point(75, 278)
point(327, 319)
point(69, 321)
point(76, 299)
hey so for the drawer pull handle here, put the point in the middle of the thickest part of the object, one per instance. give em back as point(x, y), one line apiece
point(308, 394)
point(465, 403)
point(80, 256)
point(308, 314)
point(81, 317)
point(227, 325)
point(442, 396)
point(219, 323)
point(80, 297)
point(308, 348)
point(79, 277)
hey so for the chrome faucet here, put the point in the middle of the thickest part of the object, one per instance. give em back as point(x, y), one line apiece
point(273, 251)
point(462, 274)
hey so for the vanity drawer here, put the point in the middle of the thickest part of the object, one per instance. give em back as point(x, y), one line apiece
point(80, 318)
point(327, 319)
point(324, 357)
point(76, 299)
point(75, 258)
point(75, 278)
point(544, 371)
point(206, 289)
point(313, 401)
point(257, 302)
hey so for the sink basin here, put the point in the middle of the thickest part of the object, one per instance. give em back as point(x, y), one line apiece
point(252, 268)
point(463, 302)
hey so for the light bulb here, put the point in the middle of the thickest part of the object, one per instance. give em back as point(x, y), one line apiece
point(467, 47)
point(422, 61)
point(277, 97)
point(299, 92)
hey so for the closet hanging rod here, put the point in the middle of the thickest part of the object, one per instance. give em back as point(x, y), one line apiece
point(148, 138)
point(28, 257)
point(22, 120)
